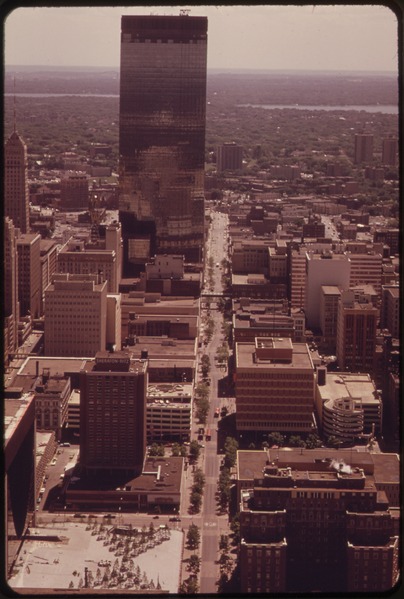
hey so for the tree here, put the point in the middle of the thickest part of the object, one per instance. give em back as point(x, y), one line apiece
point(235, 528)
point(313, 441)
point(193, 537)
point(175, 450)
point(276, 439)
point(199, 480)
point(230, 449)
point(196, 501)
point(156, 450)
point(224, 543)
point(194, 451)
point(194, 563)
point(296, 441)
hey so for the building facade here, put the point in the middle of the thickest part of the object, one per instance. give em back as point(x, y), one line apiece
point(16, 194)
point(29, 274)
point(274, 386)
point(363, 148)
point(229, 157)
point(113, 414)
point(162, 136)
point(74, 191)
point(356, 334)
point(310, 522)
point(75, 316)
point(10, 290)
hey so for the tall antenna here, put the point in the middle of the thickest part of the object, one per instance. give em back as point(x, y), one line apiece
point(14, 118)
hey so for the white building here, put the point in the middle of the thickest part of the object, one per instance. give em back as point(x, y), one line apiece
point(322, 269)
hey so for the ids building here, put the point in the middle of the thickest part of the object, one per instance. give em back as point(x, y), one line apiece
point(162, 137)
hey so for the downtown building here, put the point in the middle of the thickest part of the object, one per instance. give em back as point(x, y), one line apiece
point(162, 137)
point(274, 386)
point(75, 315)
point(113, 414)
point(16, 194)
point(320, 520)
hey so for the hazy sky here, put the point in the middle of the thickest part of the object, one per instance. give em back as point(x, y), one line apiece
point(362, 37)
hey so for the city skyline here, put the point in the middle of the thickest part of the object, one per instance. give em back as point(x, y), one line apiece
point(309, 37)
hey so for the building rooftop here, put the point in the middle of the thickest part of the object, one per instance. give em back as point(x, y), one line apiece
point(14, 411)
point(383, 467)
point(355, 386)
point(299, 353)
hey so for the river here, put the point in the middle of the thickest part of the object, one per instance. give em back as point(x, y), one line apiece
point(385, 108)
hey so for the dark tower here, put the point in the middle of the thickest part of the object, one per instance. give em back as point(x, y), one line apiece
point(162, 137)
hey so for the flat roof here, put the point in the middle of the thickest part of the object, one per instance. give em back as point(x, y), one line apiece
point(356, 386)
point(160, 476)
point(245, 353)
point(14, 411)
point(56, 366)
point(383, 467)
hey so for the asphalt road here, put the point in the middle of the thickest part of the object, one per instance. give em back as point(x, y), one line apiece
point(213, 524)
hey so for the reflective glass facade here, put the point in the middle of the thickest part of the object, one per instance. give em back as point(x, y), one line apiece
point(162, 135)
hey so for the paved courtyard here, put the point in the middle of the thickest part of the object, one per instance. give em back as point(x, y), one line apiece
point(61, 564)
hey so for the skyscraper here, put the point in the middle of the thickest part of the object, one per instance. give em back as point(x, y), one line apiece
point(16, 196)
point(162, 136)
point(10, 289)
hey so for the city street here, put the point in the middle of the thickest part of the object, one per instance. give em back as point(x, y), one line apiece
point(213, 524)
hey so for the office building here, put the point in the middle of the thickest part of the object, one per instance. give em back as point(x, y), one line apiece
point(19, 471)
point(113, 414)
point(390, 310)
point(363, 148)
point(16, 194)
point(323, 269)
point(75, 316)
point(356, 334)
point(49, 254)
point(74, 191)
point(29, 274)
point(76, 259)
point(229, 157)
point(51, 402)
point(162, 137)
point(318, 521)
point(10, 290)
point(366, 269)
point(274, 386)
point(390, 151)
point(329, 299)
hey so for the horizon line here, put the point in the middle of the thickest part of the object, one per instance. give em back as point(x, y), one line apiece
point(232, 69)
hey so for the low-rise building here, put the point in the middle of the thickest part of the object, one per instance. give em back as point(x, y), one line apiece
point(347, 405)
point(169, 411)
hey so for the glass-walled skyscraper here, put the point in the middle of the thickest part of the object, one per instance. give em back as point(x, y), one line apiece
point(162, 136)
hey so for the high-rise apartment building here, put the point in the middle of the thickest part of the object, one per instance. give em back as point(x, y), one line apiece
point(356, 334)
point(229, 157)
point(29, 274)
point(113, 414)
point(10, 289)
point(16, 195)
point(363, 148)
point(75, 315)
point(162, 136)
